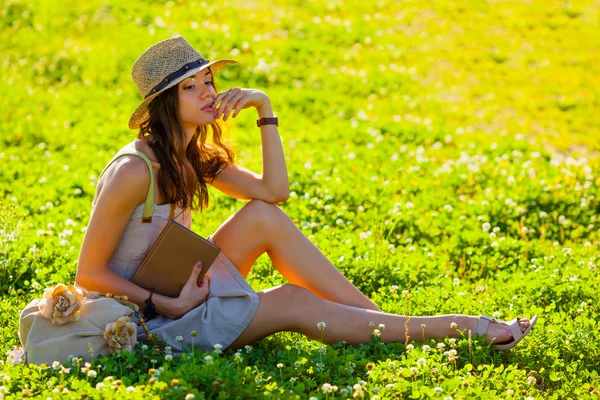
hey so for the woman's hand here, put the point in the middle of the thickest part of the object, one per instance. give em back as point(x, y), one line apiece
point(237, 99)
point(192, 294)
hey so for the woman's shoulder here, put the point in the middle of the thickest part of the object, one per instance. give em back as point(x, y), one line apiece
point(140, 146)
point(127, 172)
point(131, 157)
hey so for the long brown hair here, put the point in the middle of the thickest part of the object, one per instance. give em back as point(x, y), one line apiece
point(183, 172)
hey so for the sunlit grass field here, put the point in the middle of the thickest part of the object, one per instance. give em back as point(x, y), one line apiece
point(448, 149)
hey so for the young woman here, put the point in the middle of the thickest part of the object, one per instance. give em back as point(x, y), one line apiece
point(168, 166)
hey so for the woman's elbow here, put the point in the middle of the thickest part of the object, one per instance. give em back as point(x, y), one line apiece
point(85, 279)
point(81, 279)
point(281, 197)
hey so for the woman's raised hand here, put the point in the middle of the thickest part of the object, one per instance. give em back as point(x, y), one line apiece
point(192, 294)
point(237, 99)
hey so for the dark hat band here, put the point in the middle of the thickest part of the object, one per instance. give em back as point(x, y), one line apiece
point(165, 82)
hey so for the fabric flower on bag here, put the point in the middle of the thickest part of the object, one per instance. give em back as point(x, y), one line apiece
point(61, 304)
point(121, 335)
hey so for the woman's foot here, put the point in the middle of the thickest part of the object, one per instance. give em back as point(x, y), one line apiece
point(502, 335)
point(499, 332)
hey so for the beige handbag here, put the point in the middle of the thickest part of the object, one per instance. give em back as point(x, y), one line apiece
point(44, 342)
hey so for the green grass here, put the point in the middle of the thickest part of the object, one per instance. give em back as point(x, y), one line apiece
point(406, 127)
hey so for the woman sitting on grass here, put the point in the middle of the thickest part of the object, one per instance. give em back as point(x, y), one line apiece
point(180, 102)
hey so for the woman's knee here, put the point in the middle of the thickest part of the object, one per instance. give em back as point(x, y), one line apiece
point(298, 294)
point(281, 308)
point(289, 300)
point(263, 213)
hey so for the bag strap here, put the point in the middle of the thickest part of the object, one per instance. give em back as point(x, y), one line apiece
point(172, 212)
point(149, 206)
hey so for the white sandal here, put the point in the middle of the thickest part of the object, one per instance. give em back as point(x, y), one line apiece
point(484, 323)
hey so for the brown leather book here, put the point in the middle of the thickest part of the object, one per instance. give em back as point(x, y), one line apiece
point(171, 258)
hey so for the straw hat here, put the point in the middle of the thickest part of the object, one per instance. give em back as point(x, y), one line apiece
point(162, 66)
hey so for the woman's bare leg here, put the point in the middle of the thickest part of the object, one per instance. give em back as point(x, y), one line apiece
point(260, 227)
point(292, 308)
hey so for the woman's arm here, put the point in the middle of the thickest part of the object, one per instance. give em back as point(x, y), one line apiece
point(274, 172)
point(274, 175)
point(125, 187)
point(106, 281)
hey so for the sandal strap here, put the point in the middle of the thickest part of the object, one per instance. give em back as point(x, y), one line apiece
point(483, 324)
point(515, 329)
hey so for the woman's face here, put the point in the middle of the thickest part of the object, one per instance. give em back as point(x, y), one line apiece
point(195, 93)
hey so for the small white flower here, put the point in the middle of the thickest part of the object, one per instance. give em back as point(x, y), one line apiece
point(371, 324)
point(410, 347)
point(55, 365)
point(321, 325)
point(381, 327)
point(438, 389)
point(376, 332)
point(421, 362)
point(144, 347)
point(453, 325)
point(130, 389)
point(496, 314)
point(15, 356)
point(531, 380)
point(426, 349)
point(293, 379)
point(180, 340)
point(190, 396)
point(486, 226)
point(168, 350)
point(100, 385)
point(218, 347)
point(280, 365)
point(92, 374)
point(169, 357)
